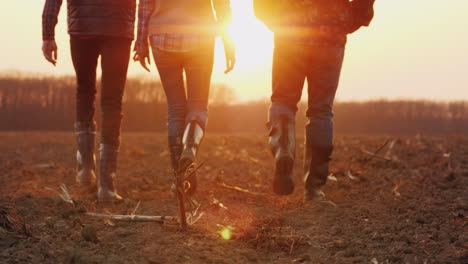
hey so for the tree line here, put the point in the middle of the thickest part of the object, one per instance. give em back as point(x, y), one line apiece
point(48, 103)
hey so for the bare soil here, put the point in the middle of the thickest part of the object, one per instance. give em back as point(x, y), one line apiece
point(408, 205)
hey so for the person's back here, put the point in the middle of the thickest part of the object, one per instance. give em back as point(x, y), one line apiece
point(321, 21)
point(101, 17)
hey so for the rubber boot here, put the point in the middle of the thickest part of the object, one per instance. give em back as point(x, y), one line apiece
point(85, 157)
point(107, 173)
point(316, 161)
point(191, 140)
point(175, 149)
point(282, 141)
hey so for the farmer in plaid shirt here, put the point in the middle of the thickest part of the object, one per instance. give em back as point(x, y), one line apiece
point(97, 28)
point(310, 38)
point(182, 35)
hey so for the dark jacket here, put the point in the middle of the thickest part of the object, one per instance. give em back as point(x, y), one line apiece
point(305, 16)
point(114, 18)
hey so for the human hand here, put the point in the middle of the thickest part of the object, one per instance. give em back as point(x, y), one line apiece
point(49, 50)
point(142, 55)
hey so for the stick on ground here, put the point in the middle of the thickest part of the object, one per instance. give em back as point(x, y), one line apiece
point(239, 189)
point(134, 218)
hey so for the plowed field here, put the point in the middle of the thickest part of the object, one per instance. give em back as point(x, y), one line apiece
point(407, 204)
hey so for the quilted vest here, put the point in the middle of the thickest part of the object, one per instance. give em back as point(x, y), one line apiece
point(113, 18)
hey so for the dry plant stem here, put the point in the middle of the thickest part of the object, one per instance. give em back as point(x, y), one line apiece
point(383, 146)
point(136, 208)
point(239, 189)
point(390, 148)
point(292, 246)
point(374, 155)
point(180, 200)
point(134, 218)
point(182, 216)
point(64, 195)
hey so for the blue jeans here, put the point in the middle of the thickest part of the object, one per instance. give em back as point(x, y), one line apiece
point(321, 65)
point(190, 102)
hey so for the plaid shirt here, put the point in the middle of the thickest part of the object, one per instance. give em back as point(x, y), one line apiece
point(174, 42)
point(178, 42)
point(50, 18)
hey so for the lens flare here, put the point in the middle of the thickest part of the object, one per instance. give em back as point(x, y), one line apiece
point(226, 233)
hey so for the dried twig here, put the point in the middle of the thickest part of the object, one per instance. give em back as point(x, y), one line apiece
point(383, 146)
point(329, 202)
point(10, 222)
point(449, 160)
point(350, 175)
point(65, 195)
point(390, 148)
point(136, 208)
point(374, 155)
point(332, 177)
point(239, 189)
point(395, 188)
point(193, 218)
point(292, 246)
point(134, 218)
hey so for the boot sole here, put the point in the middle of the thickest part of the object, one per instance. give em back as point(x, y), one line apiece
point(283, 184)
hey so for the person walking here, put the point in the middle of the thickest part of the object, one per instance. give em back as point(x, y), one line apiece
point(182, 37)
point(310, 38)
point(103, 29)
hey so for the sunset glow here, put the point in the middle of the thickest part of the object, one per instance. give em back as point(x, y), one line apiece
point(413, 49)
point(253, 40)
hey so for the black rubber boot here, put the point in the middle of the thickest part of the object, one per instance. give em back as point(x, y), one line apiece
point(175, 149)
point(107, 172)
point(191, 141)
point(85, 157)
point(316, 160)
point(282, 140)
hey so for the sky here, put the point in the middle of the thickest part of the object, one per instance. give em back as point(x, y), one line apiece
point(414, 49)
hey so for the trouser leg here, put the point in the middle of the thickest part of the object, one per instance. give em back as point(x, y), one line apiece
point(288, 80)
point(323, 80)
point(115, 54)
point(170, 68)
point(198, 66)
point(85, 53)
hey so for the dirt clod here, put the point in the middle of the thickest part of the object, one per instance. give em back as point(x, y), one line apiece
point(89, 233)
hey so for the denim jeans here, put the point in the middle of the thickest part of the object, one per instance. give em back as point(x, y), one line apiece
point(115, 55)
point(185, 102)
point(321, 66)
